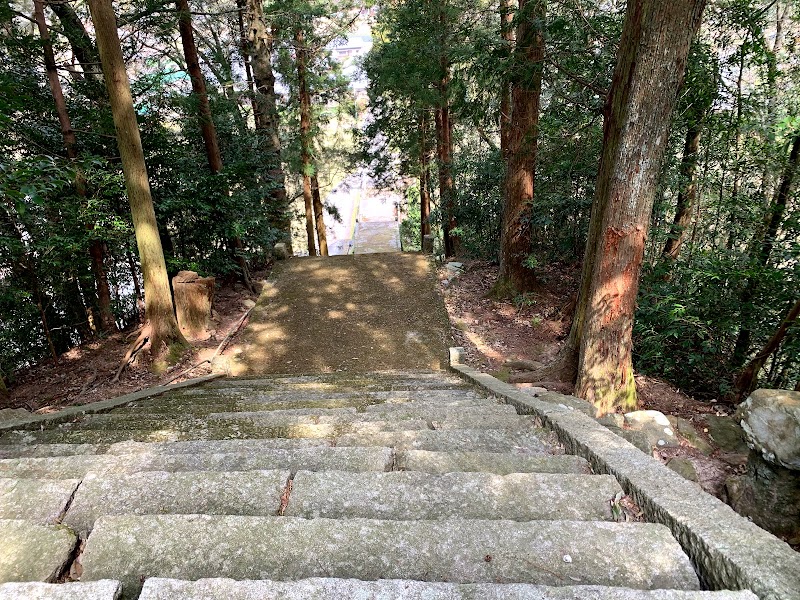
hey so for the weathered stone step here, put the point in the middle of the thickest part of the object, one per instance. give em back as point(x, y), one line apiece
point(45, 450)
point(131, 548)
point(204, 405)
point(387, 589)
point(41, 501)
point(31, 552)
point(412, 495)
point(310, 459)
point(488, 462)
point(253, 493)
point(282, 395)
point(202, 429)
point(519, 441)
point(345, 380)
point(252, 447)
point(92, 590)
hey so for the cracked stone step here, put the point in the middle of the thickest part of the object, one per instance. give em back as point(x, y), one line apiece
point(39, 500)
point(93, 590)
point(526, 442)
point(252, 493)
point(308, 459)
point(488, 462)
point(252, 447)
point(336, 589)
point(191, 547)
point(203, 429)
point(31, 552)
point(260, 395)
point(410, 495)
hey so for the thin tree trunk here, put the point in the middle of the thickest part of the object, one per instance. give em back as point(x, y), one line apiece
point(444, 141)
point(748, 379)
point(424, 192)
point(107, 320)
point(507, 35)
point(160, 311)
point(45, 326)
point(79, 40)
point(763, 250)
point(207, 128)
point(687, 195)
point(526, 89)
point(650, 64)
point(312, 205)
point(322, 237)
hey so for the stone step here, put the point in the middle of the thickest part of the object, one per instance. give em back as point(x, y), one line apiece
point(45, 450)
point(487, 462)
point(41, 501)
point(204, 405)
point(387, 589)
point(310, 459)
point(410, 495)
point(93, 590)
point(344, 380)
point(32, 552)
point(518, 441)
point(253, 493)
point(202, 429)
point(191, 547)
point(294, 416)
point(259, 395)
point(254, 446)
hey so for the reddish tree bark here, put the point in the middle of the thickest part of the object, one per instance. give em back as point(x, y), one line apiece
point(507, 34)
point(424, 176)
point(650, 65)
point(523, 134)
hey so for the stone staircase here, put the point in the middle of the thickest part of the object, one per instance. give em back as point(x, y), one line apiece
point(368, 486)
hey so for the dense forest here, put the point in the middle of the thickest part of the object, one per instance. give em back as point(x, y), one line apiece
point(650, 147)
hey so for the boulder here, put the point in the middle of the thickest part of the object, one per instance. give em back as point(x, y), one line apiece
point(683, 467)
point(193, 298)
point(771, 423)
point(427, 244)
point(685, 429)
point(280, 251)
point(726, 433)
point(654, 425)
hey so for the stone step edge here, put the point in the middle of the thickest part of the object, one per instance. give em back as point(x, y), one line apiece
point(71, 413)
point(709, 530)
point(328, 588)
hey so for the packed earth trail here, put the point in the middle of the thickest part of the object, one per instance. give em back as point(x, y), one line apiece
point(351, 463)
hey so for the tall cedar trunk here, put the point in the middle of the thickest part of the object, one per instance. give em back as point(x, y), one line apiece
point(258, 44)
point(687, 195)
point(763, 250)
point(207, 128)
point(651, 61)
point(159, 312)
point(322, 237)
point(314, 217)
point(444, 141)
point(244, 49)
point(85, 51)
point(107, 320)
point(507, 34)
point(526, 89)
point(424, 171)
point(748, 379)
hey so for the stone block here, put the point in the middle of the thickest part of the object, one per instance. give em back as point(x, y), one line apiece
point(31, 552)
point(41, 501)
point(487, 462)
point(95, 590)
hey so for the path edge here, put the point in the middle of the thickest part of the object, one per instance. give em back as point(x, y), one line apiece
point(728, 551)
point(70, 413)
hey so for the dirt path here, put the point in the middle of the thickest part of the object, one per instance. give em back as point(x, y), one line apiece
point(373, 312)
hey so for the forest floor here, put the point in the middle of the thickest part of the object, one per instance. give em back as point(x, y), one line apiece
point(85, 373)
point(532, 327)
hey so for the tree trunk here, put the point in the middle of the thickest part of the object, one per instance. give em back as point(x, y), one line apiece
point(308, 166)
point(526, 89)
point(772, 222)
point(444, 142)
point(322, 237)
point(687, 195)
point(748, 379)
point(71, 144)
point(650, 64)
point(507, 35)
point(207, 128)
point(258, 44)
point(79, 40)
point(159, 312)
point(424, 171)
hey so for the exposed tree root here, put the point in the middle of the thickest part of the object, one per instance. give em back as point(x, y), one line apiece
point(144, 336)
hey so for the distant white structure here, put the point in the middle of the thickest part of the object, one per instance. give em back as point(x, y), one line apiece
point(346, 52)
